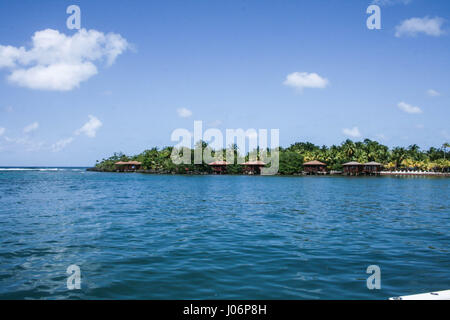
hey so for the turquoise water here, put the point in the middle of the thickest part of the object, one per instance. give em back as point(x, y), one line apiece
point(221, 237)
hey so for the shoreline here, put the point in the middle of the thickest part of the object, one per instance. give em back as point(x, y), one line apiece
point(413, 173)
point(382, 173)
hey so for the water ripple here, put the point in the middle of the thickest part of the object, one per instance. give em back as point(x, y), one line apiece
point(220, 237)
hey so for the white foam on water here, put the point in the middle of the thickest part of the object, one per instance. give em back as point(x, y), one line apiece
point(38, 169)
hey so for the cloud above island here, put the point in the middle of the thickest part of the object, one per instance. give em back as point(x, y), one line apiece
point(428, 26)
point(90, 128)
point(32, 127)
point(29, 143)
point(301, 80)
point(59, 62)
point(405, 107)
point(353, 132)
point(433, 93)
point(184, 113)
point(61, 144)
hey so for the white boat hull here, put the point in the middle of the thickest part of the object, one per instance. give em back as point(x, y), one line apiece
point(437, 295)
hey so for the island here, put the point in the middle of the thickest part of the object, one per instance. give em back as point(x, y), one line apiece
point(350, 158)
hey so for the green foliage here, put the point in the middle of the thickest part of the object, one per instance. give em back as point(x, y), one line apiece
point(290, 163)
point(292, 158)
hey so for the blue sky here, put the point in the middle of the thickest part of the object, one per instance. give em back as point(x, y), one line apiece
point(226, 63)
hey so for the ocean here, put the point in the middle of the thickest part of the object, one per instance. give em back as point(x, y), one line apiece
point(138, 236)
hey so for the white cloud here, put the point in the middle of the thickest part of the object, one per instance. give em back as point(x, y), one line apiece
point(426, 25)
point(32, 127)
point(184, 113)
point(300, 80)
point(60, 62)
point(90, 128)
point(9, 55)
point(29, 144)
point(61, 77)
point(61, 144)
point(408, 108)
point(353, 132)
point(433, 93)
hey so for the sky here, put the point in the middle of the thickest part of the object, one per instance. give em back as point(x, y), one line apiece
point(138, 70)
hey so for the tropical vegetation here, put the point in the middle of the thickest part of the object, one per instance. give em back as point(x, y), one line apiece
point(291, 159)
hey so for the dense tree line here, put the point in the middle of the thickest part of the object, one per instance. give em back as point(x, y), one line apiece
point(291, 159)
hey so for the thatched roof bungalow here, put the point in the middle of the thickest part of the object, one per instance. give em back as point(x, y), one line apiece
point(372, 167)
point(219, 167)
point(253, 167)
point(127, 166)
point(314, 167)
point(353, 168)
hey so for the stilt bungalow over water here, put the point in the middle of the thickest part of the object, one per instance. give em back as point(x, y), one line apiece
point(219, 167)
point(353, 168)
point(372, 168)
point(315, 167)
point(127, 166)
point(253, 167)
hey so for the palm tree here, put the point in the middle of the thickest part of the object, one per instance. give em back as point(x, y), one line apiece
point(414, 151)
point(349, 148)
point(445, 146)
point(398, 155)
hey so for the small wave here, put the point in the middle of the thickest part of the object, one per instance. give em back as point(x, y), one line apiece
point(29, 169)
point(39, 169)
